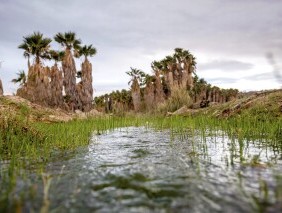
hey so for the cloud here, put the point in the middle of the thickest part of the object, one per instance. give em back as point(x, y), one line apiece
point(222, 80)
point(261, 76)
point(226, 65)
point(126, 32)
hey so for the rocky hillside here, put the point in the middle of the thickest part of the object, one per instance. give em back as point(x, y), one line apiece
point(255, 103)
point(33, 112)
point(265, 103)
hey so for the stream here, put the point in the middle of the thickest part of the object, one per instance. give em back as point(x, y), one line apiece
point(138, 169)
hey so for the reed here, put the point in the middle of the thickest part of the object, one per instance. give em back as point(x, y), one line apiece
point(24, 144)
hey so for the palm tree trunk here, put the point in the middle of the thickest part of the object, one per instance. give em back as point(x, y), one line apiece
point(149, 96)
point(136, 95)
point(37, 59)
point(190, 77)
point(159, 92)
point(184, 79)
point(1, 88)
point(86, 94)
point(28, 63)
point(37, 88)
point(69, 71)
point(56, 75)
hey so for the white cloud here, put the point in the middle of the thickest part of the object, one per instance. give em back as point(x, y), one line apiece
point(134, 33)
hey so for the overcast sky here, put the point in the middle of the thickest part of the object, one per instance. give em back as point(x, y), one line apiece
point(230, 39)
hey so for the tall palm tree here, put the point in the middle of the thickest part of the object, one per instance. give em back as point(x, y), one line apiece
point(86, 94)
point(86, 51)
point(21, 78)
point(57, 55)
point(156, 66)
point(137, 75)
point(1, 88)
point(68, 40)
point(137, 79)
point(36, 45)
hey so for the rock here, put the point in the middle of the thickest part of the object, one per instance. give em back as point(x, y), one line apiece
point(181, 111)
point(93, 113)
point(78, 111)
point(196, 105)
point(81, 115)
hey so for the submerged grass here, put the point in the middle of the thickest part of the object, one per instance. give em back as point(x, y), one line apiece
point(27, 145)
point(31, 146)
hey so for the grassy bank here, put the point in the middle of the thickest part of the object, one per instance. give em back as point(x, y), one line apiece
point(28, 141)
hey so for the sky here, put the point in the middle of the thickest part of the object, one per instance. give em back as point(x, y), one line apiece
point(232, 40)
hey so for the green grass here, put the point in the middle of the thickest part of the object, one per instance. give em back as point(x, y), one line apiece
point(24, 144)
point(31, 146)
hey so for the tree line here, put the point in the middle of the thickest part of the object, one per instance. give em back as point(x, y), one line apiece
point(172, 77)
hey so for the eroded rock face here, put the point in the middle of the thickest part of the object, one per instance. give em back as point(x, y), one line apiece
point(1, 88)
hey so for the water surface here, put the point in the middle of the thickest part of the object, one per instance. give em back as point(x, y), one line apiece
point(139, 169)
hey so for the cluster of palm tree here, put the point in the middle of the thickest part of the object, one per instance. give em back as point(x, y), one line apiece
point(172, 74)
point(177, 69)
point(116, 101)
point(39, 47)
point(203, 91)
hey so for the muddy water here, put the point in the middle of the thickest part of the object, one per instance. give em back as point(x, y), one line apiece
point(145, 170)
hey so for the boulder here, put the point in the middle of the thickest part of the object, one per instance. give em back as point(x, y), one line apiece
point(181, 111)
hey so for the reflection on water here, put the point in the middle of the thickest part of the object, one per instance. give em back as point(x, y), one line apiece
point(144, 170)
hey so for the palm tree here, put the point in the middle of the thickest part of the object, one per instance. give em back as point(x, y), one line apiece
point(86, 94)
point(1, 88)
point(36, 45)
point(156, 66)
point(86, 51)
point(68, 40)
point(21, 78)
point(170, 63)
point(149, 91)
point(137, 79)
point(57, 55)
point(27, 52)
point(137, 75)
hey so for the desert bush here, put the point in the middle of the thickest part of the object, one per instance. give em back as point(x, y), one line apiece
point(179, 98)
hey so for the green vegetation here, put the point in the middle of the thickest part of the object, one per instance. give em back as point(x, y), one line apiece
point(37, 46)
point(44, 85)
point(28, 145)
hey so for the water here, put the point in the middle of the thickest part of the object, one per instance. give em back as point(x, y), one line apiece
point(137, 169)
